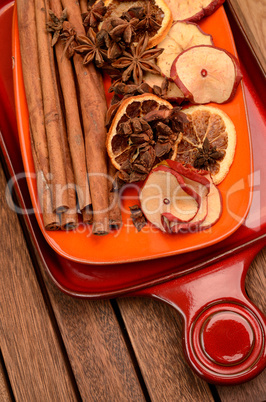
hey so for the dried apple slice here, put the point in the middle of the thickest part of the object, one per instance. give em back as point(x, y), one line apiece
point(203, 191)
point(192, 10)
point(200, 182)
point(206, 74)
point(178, 198)
point(181, 36)
point(210, 209)
point(208, 214)
point(214, 200)
point(165, 195)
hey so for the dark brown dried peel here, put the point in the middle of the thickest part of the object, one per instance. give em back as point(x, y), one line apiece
point(137, 217)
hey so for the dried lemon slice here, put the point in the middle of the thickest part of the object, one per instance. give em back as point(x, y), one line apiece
point(116, 8)
point(209, 141)
point(118, 146)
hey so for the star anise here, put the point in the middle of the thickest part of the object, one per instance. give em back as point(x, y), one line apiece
point(177, 119)
point(149, 21)
point(111, 112)
point(114, 48)
point(207, 155)
point(134, 12)
point(166, 139)
point(123, 91)
point(90, 48)
point(94, 14)
point(174, 118)
point(142, 155)
point(139, 168)
point(137, 59)
point(69, 35)
point(163, 89)
point(114, 73)
point(143, 163)
point(55, 26)
point(137, 217)
point(123, 29)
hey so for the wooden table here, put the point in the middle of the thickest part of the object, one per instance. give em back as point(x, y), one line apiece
point(57, 348)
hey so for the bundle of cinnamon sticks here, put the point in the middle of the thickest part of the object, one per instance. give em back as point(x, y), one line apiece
point(67, 110)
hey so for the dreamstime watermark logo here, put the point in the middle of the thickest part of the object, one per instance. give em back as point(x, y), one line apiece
point(128, 195)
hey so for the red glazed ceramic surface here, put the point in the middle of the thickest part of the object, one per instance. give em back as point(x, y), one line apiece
point(127, 245)
point(224, 333)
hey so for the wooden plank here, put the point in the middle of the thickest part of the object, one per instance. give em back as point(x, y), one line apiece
point(155, 331)
point(4, 389)
point(254, 390)
point(252, 14)
point(97, 351)
point(92, 337)
point(31, 350)
point(256, 280)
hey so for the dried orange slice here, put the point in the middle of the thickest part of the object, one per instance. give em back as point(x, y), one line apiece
point(119, 146)
point(116, 8)
point(209, 141)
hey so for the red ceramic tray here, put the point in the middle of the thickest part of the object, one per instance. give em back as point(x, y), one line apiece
point(205, 286)
point(127, 245)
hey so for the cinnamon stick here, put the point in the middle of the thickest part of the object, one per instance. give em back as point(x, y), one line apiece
point(51, 115)
point(83, 6)
point(51, 220)
point(93, 109)
point(115, 217)
point(73, 124)
point(87, 215)
point(68, 218)
point(32, 81)
point(33, 91)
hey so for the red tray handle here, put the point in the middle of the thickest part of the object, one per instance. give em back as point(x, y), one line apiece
point(224, 332)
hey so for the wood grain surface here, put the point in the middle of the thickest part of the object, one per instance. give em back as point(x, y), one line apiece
point(252, 17)
point(92, 338)
point(155, 331)
point(96, 348)
point(36, 366)
point(5, 395)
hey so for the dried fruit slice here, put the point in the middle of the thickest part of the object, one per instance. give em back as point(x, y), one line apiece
point(208, 142)
point(173, 93)
point(200, 182)
point(166, 200)
point(214, 201)
point(192, 10)
point(210, 208)
point(158, 8)
point(119, 144)
point(206, 74)
point(181, 36)
point(178, 198)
